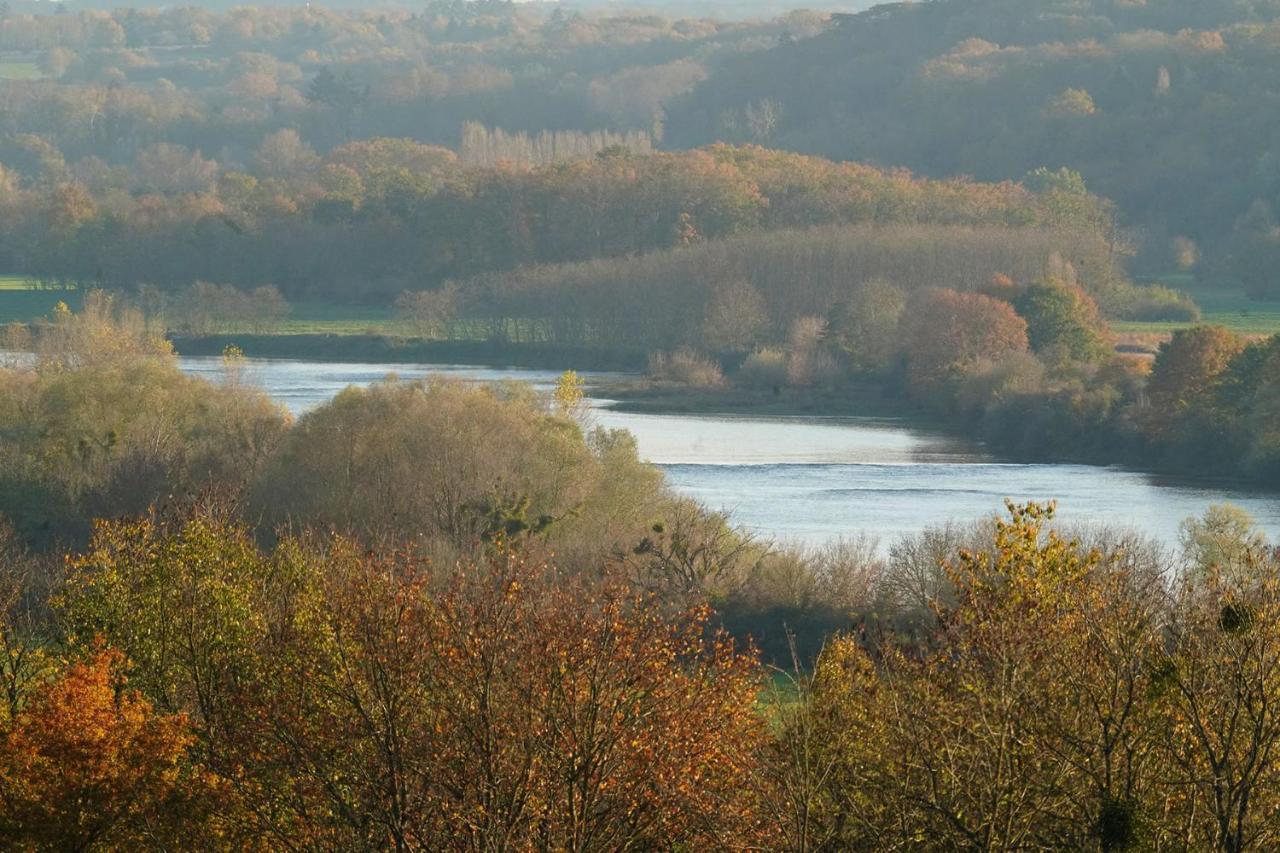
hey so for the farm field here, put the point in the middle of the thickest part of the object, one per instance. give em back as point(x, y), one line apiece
point(20, 302)
point(1223, 307)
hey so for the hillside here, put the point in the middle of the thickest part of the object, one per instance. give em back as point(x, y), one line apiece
point(1167, 108)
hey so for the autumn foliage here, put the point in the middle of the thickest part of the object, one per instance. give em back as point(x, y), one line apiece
point(89, 763)
point(1050, 695)
point(947, 332)
point(349, 700)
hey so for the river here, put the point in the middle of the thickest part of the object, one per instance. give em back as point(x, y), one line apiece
point(809, 479)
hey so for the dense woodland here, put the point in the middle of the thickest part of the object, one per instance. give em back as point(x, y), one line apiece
point(1162, 106)
point(380, 216)
point(430, 615)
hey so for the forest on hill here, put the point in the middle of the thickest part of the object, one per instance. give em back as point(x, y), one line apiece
point(1163, 107)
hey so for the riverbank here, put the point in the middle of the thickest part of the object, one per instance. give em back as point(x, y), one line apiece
point(849, 399)
point(1033, 430)
point(384, 349)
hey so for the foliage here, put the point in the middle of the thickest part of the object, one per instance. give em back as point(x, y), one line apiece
point(685, 367)
point(103, 421)
point(376, 216)
point(1059, 700)
point(947, 332)
point(89, 763)
point(361, 700)
point(1186, 367)
point(427, 462)
point(1062, 319)
point(1130, 96)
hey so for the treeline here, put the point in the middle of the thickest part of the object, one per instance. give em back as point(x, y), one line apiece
point(376, 217)
point(405, 665)
point(482, 146)
point(112, 83)
point(1163, 107)
point(745, 292)
point(997, 332)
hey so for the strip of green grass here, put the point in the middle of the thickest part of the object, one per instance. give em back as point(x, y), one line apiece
point(1222, 307)
point(20, 71)
point(323, 318)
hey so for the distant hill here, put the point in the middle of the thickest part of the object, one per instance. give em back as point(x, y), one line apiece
point(1172, 108)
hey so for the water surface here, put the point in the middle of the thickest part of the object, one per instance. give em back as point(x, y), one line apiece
point(810, 479)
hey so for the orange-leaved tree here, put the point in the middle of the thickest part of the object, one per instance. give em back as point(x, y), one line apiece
point(946, 333)
point(89, 763)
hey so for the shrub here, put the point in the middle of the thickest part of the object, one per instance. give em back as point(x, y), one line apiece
point(764, 368)
point(685, 367)
point(1159, 304)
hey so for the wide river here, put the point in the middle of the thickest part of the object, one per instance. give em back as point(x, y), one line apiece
point(809, 479)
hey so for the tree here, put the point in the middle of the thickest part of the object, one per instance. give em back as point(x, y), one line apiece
point(89, 763)
point(1062, 321)
point(946, 333)
point(1070, 103)
point(1225, 540)
point(1023, 720)
point(1222, 732)
point(284, 155)
point(865, 326)
point(429, 313)
point(172, 169)
point(1184, 371)
point(358, 699)
point(736, 317)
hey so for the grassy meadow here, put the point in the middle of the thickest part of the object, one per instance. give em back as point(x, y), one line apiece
point(1221, 306)
point(22, 301)
point(19, 70)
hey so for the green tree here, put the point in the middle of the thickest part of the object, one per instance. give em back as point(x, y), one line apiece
point(1062, 321)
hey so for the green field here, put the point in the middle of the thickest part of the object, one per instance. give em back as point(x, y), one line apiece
point(1219, 306)
point(20, 71)
point(21, 303)
point(312, 318)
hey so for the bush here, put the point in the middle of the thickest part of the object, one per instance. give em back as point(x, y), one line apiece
point(764, 368)
point(1159, 304)
point(685, 367)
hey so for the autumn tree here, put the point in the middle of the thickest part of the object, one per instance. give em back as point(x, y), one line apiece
point(1024, 720)
point(1184, 371)
point(89, 763)
point(946, 333)
point(736, 317)
point(25, 656)
point(1222, 731)
point(354, 699)
point(1062, 321)
point(865, 326)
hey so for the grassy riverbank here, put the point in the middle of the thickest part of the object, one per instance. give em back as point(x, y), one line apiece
point(389, 349)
